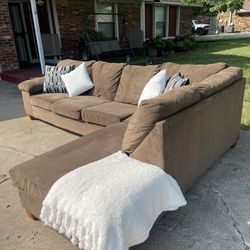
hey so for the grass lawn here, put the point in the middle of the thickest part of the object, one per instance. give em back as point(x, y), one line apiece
point(234, 53)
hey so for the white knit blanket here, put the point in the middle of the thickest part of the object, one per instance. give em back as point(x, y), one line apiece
point(110, 204)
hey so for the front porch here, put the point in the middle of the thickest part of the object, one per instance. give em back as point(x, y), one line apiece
point(18, 75)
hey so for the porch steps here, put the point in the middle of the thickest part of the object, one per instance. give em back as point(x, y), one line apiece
point(19, 75)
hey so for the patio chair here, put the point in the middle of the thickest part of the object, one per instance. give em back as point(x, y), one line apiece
point(51, 45)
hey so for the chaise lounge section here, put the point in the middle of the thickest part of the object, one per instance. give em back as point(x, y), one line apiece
point(183, 131)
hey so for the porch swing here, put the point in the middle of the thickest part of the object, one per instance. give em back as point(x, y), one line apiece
point(99, 47)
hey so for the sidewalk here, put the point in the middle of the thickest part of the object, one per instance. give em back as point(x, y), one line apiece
point(217, 216)
point(11, 104)
point(223, 36)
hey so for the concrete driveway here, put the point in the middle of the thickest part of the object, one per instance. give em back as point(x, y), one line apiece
point(217, 216)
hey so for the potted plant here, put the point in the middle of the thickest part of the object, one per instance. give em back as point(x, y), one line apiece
point(85, 37)
point(155, 44)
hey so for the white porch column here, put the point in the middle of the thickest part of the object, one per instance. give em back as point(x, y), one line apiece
point(38, 35)
point(142, 23)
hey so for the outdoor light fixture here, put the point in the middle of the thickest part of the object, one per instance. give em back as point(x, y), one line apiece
point(39, 2)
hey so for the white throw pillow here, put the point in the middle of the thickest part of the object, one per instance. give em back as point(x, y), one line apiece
point(155, 86)
point(78, 81)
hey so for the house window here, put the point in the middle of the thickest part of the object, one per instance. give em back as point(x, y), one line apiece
point(105, 23)
point(160, 21)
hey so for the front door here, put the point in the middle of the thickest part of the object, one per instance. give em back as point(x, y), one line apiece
point(148, 20)
point(19, 34)
point(23, 28)
point(172, 21)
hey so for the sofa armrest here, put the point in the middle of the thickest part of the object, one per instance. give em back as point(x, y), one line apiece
point(33, 86)
point(218, 81)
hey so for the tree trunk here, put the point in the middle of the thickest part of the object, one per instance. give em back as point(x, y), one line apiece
point(230, 19)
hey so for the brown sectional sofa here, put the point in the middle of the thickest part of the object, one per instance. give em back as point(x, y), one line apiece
point(183, 131)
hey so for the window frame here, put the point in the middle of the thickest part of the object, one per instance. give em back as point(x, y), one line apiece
point(114, 21)
point(166, 7)
point(162, 22)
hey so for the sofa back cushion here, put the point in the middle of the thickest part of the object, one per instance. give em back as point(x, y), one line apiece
point(77, 63)
point(133, 80)
point(106, 78)
point(195, 72)
point(153, 110)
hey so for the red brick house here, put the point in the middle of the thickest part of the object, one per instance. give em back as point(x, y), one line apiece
point(18, 45)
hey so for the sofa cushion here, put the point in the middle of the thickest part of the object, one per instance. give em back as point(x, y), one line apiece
point(35, 177)
point(45, 100)
point(106, 78)
point(73, 106)
point(195, 72)
point(133, 80)
point(108, 113)
point(153, 110)
point(77, 63)
point(219, 81)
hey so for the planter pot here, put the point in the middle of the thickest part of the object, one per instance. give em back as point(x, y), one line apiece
point(152, 52)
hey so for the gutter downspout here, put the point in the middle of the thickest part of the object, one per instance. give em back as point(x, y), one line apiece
point(38, 35)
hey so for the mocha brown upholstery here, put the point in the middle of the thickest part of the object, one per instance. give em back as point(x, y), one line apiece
point(186, 144)
point(194, 72)
point(108, 113)
point(72, 107)
point(33, 86)
point(219, 81)
point(77, 63)
point(50, 166)
point(152, 110)
point(133, 80)
point(76, 126)
point(106, 77)
point(183, 131)
point(46, 100)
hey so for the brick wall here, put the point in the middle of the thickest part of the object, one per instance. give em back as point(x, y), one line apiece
point(186, 15)
point(246, 6)
point(241, 21)
point(8, 54)
point(70, 19)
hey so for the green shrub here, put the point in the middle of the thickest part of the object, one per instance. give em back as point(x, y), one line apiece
point(169, 45)
point(155, 43)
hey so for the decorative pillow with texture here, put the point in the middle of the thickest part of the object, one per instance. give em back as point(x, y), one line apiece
point(78, 81)
point(175, 82)
point(52, 80)
point(155, 86)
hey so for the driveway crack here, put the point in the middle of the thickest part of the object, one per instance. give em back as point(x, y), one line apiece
point(192, 245)
point(220, 195)
point(3, 178)
point(19, 151)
